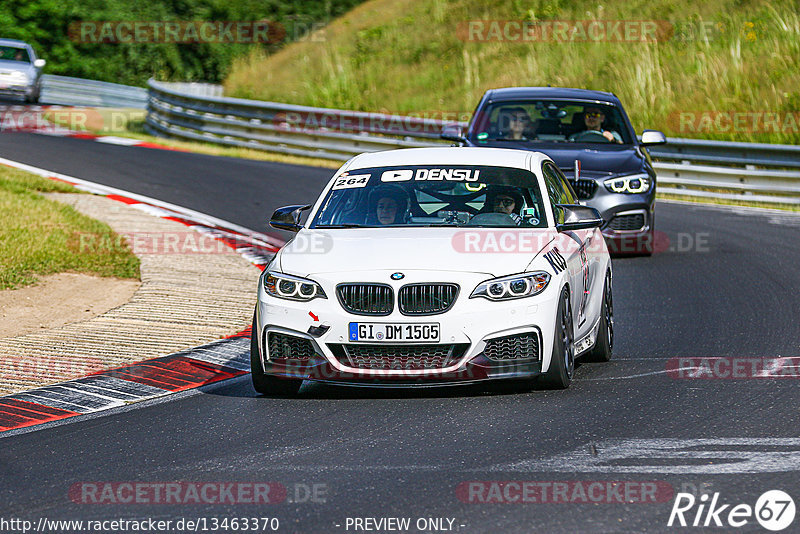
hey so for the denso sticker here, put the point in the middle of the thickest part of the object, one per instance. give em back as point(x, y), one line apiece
point(347, 181)
point(453, 175)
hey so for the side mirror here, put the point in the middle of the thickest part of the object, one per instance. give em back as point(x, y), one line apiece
point(288, 218)
point(452, 132)
point(39, 63)
point(578, 218)
point(653, 137)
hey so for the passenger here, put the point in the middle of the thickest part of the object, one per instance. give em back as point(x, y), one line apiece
point(519, 123)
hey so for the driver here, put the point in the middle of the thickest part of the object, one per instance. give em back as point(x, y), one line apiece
point(593, 118)
point(388, 205)
point(504, 199)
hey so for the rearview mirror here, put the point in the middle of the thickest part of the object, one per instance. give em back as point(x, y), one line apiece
point(653, 137)
point(39, 63)
point(578, 218)
point(288, 217)
point(452, 132)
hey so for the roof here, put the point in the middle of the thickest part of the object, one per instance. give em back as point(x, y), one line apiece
point(12, 42)
point(501, 157)
point(517, 93)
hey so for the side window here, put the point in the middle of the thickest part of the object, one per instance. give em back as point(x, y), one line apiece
point(569, 194)
point(555, 189)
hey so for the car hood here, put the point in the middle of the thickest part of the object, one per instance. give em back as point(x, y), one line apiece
point(598, 160)
point(490, 251)
point(27, 68)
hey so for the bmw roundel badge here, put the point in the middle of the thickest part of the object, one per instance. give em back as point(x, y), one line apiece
point(397, 276)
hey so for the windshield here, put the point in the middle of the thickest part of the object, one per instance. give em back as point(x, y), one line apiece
point(550, 121)
point(427, 196)
point(13, 53)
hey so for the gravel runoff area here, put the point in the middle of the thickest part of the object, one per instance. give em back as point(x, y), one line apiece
point(186, 298)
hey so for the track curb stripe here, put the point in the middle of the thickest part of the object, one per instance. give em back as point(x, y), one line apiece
point(112, 388)
point(16, 413)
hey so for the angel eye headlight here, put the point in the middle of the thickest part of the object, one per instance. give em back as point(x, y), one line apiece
point(289, 287)
point(512, 287)
point(634, 184)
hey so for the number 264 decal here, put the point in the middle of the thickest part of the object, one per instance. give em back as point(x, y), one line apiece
point(346, 181)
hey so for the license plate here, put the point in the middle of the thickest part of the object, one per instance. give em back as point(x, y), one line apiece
point(394, 332)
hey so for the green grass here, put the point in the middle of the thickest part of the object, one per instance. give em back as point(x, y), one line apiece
point(408, 57)
point(39, 236)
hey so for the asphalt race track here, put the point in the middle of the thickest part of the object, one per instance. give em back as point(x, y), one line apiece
point(725, 287)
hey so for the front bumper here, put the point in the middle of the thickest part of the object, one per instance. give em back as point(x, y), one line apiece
point(628, 219)
point(17, 90)
point(468, 326)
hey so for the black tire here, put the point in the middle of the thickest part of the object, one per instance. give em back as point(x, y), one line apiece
point(603, 347)
point(562, 361)
point(268, 385)
point(34, 98)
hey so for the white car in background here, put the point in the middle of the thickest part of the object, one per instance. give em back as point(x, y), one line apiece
point(435, 266)
point(20, 70)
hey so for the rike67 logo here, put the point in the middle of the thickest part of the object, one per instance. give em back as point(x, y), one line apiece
point(774, 510)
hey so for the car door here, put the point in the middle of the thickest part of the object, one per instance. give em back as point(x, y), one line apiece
point(573, 246)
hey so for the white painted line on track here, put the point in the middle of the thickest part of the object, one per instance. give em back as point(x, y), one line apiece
point(651, 373)
point(107, 190)
point(708, 456)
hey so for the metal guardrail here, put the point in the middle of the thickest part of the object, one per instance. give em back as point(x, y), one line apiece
point(689, 167)
point(67, 91)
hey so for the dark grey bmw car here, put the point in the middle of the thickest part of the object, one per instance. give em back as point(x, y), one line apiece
point(589, 136)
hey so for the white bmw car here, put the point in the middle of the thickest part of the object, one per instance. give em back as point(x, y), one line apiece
point(435, 266)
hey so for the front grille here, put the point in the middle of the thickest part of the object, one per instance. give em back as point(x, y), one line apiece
point(366, 299)
point(516, 347)
point(399, 357)
point(426, 299)
point(632, 222)
point(584, 188)
point(289, 347)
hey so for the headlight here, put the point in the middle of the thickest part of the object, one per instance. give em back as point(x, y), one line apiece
point(289, 287)
point(636, 183)
point(512, 287)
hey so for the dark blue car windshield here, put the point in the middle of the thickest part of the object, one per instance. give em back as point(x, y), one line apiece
point(549, 121)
